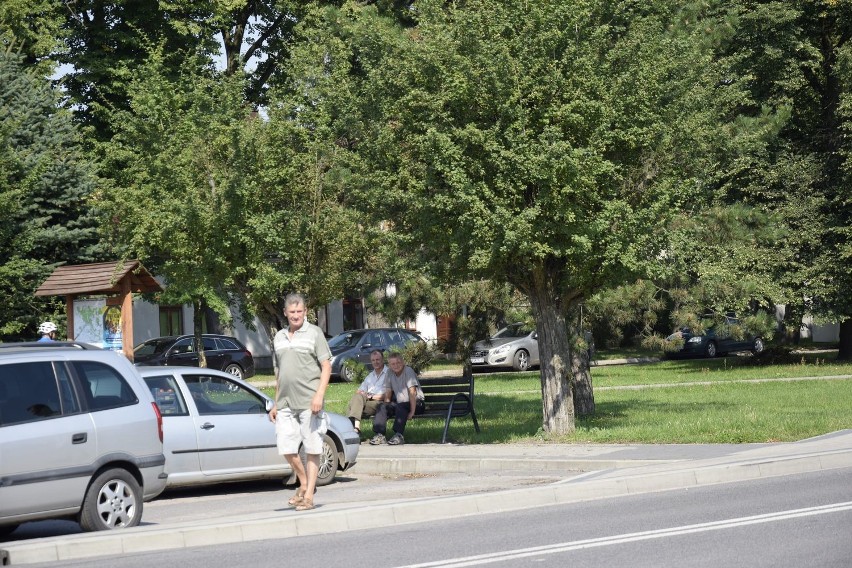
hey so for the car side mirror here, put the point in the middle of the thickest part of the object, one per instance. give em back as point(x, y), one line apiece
point(269, 405)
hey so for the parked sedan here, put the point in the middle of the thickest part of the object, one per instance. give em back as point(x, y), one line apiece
point(714, 341)
point(216, 428)
point(514, 346)
point(357, 344)
point(223, 352)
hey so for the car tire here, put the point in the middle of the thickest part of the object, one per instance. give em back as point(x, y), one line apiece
point(710, 350)
point(329, 460)
point(234, 369)
point(346, 373)
point(521, 360)
point(113, 501)
point(758, 346)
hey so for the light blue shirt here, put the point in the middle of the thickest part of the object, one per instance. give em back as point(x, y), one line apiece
point(376, 384)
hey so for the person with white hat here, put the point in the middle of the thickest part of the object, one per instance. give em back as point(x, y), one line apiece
point(47, 331)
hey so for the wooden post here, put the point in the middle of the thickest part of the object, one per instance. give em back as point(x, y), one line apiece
point(127, 318)
point(69, 316)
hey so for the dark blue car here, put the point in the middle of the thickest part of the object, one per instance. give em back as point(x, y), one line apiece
point(714, 341)
point(357, 344)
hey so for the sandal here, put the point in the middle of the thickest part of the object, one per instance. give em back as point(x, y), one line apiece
point(297, 499)
point(305, 505)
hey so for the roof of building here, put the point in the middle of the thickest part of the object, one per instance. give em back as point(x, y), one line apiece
point(98, 278)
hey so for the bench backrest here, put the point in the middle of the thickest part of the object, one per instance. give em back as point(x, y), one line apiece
point(440, 392)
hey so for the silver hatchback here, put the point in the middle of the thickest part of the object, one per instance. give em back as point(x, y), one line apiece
point(80, 437)
point(217, 430)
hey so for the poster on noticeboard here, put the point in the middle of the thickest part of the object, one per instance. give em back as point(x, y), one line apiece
point(97, 323)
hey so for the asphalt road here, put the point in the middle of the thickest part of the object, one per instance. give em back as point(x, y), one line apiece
point(789, 521)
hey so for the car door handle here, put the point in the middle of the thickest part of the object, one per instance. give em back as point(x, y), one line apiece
point(79, 438)
point(207, 426)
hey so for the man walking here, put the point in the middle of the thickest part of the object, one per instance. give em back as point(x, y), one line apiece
point(373, 391)
point(409, 400)
point(303, 371)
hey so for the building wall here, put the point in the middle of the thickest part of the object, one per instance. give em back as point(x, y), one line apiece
point(427, 325)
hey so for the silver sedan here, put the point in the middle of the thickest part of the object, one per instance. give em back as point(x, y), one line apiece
point(514, 346)
point(216, 429)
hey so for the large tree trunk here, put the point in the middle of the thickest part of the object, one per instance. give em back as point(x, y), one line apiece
point(845, 353)
point(557, 404)
point(581, 376)
point(584, 396)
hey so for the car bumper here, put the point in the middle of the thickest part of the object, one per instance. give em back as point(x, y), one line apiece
point(490, 359)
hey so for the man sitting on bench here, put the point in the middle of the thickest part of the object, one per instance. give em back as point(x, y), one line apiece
point(372, 393)
point(406, 387)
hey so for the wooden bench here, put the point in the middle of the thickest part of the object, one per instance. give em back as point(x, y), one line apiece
point(448, 398)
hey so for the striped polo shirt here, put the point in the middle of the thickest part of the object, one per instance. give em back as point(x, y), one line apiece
point(298, 362)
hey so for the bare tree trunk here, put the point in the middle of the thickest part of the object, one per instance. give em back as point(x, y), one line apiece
point(556, 401)
point(845, 353)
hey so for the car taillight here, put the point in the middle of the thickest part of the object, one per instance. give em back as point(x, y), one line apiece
point(159, 420)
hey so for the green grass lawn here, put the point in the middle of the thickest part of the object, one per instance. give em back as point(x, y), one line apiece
point(508, 405)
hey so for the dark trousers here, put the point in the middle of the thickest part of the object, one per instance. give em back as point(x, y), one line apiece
point(399, 411)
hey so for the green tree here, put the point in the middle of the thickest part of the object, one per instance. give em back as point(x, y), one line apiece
point(176, 163)
point(784, 74)
point(46, 189)
point(301, 232)
point(534, 143)
point(33, 30)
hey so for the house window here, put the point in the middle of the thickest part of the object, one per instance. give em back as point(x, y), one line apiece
point(171, 320)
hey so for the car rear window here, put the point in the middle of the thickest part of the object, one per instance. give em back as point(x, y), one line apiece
point(226, 343)
point(167, 395)
point(103, 386)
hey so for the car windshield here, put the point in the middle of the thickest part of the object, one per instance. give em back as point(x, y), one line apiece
point(516, 330)
point(346, 339)
point(153, 346)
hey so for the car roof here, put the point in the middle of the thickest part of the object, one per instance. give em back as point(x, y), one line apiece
point(379, 329)
point(32, 347)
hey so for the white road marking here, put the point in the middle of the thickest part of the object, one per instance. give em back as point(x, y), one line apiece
point(632, 537)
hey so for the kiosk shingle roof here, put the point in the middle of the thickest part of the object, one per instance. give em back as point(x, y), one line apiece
point(98, 278)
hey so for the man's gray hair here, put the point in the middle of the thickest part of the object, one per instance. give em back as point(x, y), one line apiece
point(294, 299)
point(396, 355)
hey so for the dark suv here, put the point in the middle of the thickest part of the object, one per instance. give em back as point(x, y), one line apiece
point(223, 352)
point(80, 437)
point(357, 344)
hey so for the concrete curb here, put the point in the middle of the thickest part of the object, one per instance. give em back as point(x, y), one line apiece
point(820, 454)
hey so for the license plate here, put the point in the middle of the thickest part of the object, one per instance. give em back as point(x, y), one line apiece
point(476, 360)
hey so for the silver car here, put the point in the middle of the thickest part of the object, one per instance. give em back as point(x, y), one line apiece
point(80, 437)
point(514, 346)
point(216, 429)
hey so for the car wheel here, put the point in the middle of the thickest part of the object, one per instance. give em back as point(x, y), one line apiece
point(758, 346)
point(710, 350)
point(346, 373)
point(329, 460)
point(521, 360)
point(113, 501)
point(234, 369)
